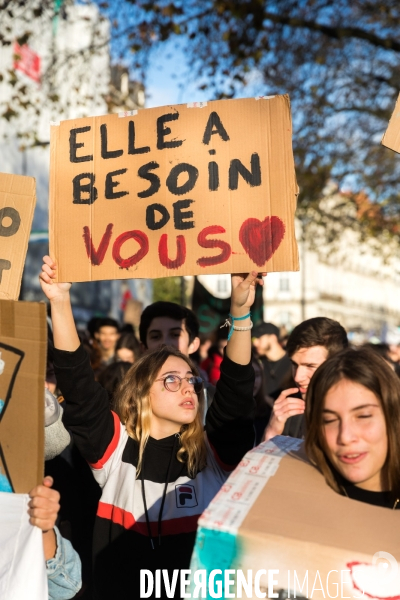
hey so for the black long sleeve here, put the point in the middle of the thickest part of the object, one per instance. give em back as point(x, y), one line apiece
point(87, 409)
point(229, 420)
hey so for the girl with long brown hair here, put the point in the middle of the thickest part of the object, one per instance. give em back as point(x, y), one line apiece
point(157, 467)
point(353, 426)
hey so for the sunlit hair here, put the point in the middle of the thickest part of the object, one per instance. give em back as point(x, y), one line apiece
point(367, 368)
point(318, 331)
point(132, 404)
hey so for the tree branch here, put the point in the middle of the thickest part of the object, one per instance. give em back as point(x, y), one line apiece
point(335, 32)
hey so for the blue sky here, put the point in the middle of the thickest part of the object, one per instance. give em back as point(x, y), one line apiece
point(162, 84)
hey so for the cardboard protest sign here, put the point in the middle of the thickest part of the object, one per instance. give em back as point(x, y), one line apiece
point(177, 190)
point(391, 137)
point(23, 348)
point(17, 205)
point(278, 525)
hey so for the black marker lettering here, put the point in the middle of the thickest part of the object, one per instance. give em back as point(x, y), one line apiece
point(172, 179)
point(213, 176)
point(131, 141)
point(13, 227)
point(74, 145)
point(111, 184)
point(163, 131)
point(143, 172)
point(151, 216)
point(253, 177)
point(5, 265)
point(87, 188)
point(214, 122)
point(105, 153)
point(180, 217)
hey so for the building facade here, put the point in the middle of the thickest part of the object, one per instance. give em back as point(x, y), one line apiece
point(355, 282)
point(71, 80)
point(63, 71)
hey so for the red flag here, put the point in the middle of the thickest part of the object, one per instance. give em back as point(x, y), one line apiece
point(27, 61)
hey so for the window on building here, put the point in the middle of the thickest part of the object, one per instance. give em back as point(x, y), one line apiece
point(222, 285)
point(285, 318)
point(284, 284)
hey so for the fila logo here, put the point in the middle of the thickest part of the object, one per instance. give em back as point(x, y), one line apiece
point(185, 496)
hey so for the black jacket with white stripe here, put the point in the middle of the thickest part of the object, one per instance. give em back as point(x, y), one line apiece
point(123, 537)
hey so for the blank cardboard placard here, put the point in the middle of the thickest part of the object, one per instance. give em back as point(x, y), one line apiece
point(177, 190)
point(17, 205)
point(23, 348)
point(391, 137)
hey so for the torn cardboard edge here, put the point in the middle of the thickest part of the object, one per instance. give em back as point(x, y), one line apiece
point(17, 206)
point(391, 137)
point(23, 347)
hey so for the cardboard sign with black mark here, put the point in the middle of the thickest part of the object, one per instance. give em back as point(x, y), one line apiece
point(177, 190)
point(17, 205)
point(23, 348)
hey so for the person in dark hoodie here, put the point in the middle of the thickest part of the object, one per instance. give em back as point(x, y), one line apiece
point(157, 467)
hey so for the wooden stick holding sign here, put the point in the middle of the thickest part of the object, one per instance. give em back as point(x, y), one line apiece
point(176, 190)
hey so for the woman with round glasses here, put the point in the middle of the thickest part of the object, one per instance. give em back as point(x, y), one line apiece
point(157, 467)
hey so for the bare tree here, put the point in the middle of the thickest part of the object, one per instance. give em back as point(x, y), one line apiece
point(339, 61)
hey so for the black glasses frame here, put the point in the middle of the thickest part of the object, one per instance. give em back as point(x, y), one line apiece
point(194, 380)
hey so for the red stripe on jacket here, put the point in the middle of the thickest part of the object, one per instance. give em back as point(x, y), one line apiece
point(112, 445)
point(127, 520)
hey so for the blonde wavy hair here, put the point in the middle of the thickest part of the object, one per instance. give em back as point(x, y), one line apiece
point(132, 405)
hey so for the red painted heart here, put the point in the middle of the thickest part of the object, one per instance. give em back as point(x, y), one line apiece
point(261, 239)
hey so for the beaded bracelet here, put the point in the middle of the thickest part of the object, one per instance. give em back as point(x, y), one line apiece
point(244, 328)
point(230, 324)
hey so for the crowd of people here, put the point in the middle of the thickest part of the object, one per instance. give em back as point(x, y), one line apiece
point(162, 420)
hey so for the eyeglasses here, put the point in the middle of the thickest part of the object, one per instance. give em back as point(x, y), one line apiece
point(173, 383)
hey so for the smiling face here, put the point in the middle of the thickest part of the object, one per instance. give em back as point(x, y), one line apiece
point(304, 363)
point(355, 433)
point(171, 410)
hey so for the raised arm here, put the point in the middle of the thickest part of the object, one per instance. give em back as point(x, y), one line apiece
point(64, 330)
point(229, 420)
point(87, 412)
point(238, 348)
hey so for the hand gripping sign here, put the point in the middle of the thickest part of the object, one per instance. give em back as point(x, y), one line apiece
point(177, 190)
